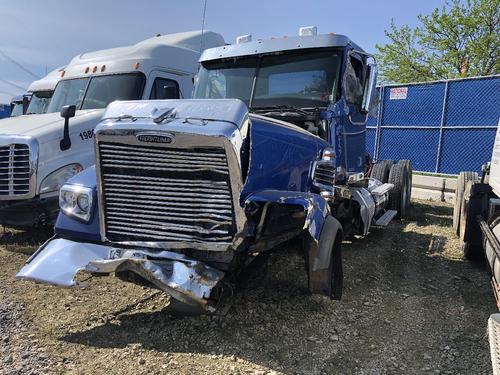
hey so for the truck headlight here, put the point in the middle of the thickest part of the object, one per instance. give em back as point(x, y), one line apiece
point(76, 201)
point(57, 178)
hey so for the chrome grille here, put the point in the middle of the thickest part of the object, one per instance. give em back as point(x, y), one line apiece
point(14, 169)
point(160, 194)
point(324, 175)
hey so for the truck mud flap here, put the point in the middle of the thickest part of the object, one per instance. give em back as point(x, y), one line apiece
point(186, 280)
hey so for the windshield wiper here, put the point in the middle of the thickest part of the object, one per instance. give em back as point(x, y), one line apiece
point(281, 108)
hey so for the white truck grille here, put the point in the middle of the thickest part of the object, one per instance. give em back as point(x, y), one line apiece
point(165, 194)
point(15, 171)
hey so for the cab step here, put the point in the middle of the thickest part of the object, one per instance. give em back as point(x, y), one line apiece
point(386, 218)
point(382, 189)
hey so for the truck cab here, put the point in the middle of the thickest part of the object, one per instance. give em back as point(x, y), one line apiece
point(41, 151)
point(19, 105)
point(41, 92)
point(185, 194)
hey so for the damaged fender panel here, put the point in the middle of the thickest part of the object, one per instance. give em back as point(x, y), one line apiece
point(314, 205)
point(59, 260)
point(325, 260)
point(322, 244)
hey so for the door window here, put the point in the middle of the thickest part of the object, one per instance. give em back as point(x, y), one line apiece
point(164, 88)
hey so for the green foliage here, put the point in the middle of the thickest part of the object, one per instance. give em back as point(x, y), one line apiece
point(460, 40)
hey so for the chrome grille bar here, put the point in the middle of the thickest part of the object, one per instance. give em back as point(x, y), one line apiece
point(165, 194)
point(15, 170)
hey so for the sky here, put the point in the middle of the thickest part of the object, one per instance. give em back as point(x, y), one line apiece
point(43, 35)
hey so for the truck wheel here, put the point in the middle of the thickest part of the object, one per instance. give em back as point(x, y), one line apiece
point(409, 170)
point(462, 180)
point(470, 250)
point(381, 169)
point(398, 176)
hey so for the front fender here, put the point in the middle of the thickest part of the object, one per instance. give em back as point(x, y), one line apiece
point(73, 229)
point(314, 205)
point(322, 238)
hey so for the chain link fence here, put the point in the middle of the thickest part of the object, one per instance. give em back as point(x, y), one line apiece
point(443, 127)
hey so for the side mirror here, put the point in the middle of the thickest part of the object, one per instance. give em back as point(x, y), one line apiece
point(67, 112)
point(370, 88)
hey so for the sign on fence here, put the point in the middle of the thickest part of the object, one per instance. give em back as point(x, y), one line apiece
point(398, 93)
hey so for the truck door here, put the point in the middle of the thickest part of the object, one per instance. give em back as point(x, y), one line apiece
point(354, 126)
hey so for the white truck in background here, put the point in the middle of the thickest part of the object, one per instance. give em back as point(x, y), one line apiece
point(476, 220)
point(38, 153)
point(39, 92)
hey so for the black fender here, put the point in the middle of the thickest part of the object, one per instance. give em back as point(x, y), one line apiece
point(324, 259)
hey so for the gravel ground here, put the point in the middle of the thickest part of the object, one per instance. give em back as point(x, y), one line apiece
point(411, 305)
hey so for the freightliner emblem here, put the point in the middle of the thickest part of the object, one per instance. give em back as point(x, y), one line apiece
point(156, 138)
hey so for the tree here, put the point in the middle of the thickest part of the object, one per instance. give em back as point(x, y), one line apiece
point(460, 40)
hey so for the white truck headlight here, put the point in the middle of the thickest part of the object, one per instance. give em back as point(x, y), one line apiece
point(76, 201)
point(56, 179)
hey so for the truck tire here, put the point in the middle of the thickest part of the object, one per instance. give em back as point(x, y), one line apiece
point(381, 169)
point(409, 170)
point(471, 250)
point(462, 180)
point(398, 176)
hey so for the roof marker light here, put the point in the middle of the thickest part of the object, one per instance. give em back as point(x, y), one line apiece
point(94, 69)
point(243, 38)
point(63, 73)
point(137, 65)
point(87, 69)
point(103, 68)
point(308, 31)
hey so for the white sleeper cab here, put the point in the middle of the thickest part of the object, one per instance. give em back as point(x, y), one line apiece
point(38, 153)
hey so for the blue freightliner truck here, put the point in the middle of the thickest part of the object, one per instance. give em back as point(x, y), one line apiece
point(186, 194)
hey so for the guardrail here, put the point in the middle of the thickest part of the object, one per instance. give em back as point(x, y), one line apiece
point(435, 188)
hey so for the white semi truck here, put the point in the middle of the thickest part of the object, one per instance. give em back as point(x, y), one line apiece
point(476, 220)
point(38, 153)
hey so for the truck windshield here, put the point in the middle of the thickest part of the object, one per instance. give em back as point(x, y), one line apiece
point(97, 92)
point(39, 102)
point(306, 79)
point(17, 110)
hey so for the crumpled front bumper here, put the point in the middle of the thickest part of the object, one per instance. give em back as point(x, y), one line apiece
point(59, 260)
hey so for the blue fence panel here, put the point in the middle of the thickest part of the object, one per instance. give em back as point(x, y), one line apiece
point(371, 133)
point(398, 143)
point(422, 106)
point(473, 102)
point(465, 149)
point(443, 127)
point(4, 110)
